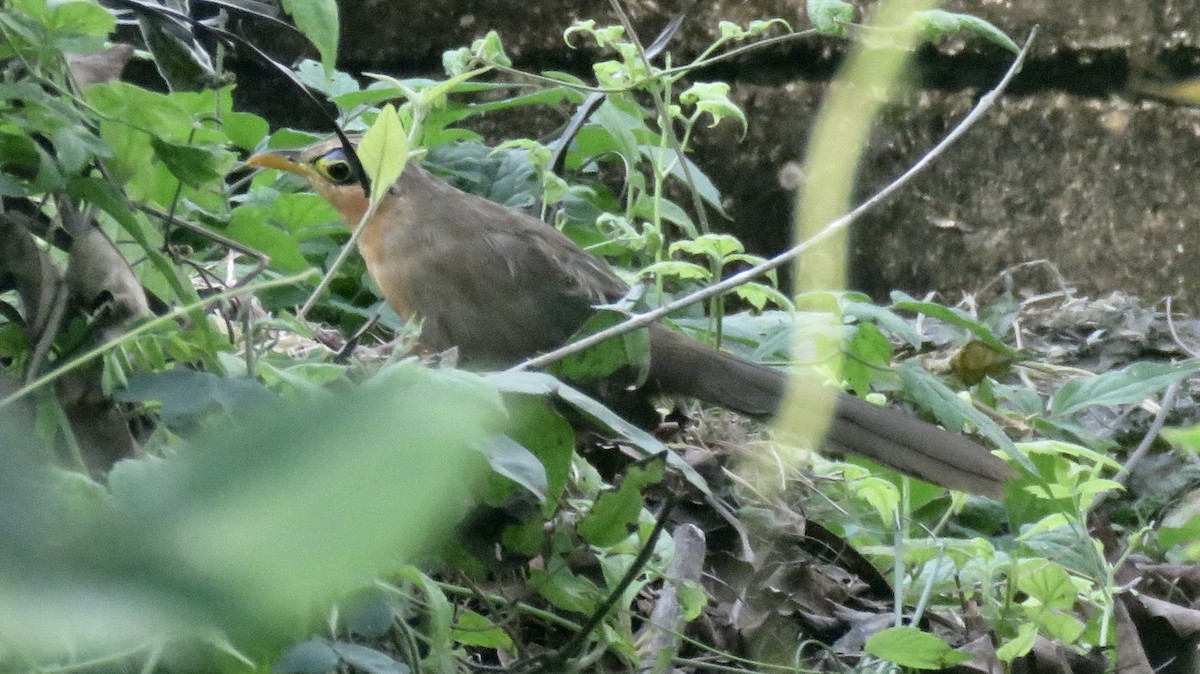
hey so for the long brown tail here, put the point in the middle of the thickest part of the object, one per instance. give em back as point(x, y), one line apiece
point(682, 366)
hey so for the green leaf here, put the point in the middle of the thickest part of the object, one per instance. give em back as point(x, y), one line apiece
point(148, 111)
point(538, 383)
point(692, 599)
point(830, 17)
point(1047, 582)
point(244, 529)
point(248, 225)
point(193, 166)
point(934, 24)
point(869, 352)
point(383, 151)
point(911, 647)
point(186, 395)
point(564, 589)
point(551, 439)
point(473, 629)
point(953, 411)
point(903, 302)
point(244, 129)
point(627, 352)
point(439, 615)
point(318, 20)
point(882, 495)
point(893, 323)
point(717, 247)
point(688, 271)
point(713, 98)
point(509, 458)
point(1128, 385)
point(703, 184)
point(314, 656)
point(80, 16)
point(368, 660)
point(614, 513)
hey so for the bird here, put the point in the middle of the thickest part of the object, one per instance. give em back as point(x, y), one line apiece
point(500, 285)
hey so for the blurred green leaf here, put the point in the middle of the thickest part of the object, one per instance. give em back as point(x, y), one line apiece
point(255, 523)
point(314, 656)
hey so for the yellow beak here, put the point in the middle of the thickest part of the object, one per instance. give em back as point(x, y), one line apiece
point(284, 160)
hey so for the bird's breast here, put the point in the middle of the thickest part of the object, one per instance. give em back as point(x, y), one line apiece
point(389, 262)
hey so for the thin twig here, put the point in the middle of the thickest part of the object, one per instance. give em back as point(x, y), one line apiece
point(985, 103)
point(1175, 334)
point(1160, 419)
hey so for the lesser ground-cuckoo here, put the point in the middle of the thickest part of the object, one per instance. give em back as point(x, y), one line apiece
point(501, 286)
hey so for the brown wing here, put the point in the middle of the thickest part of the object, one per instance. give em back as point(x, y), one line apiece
point(498, 284)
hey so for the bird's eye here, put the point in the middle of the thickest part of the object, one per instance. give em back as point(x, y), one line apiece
point(337, 171)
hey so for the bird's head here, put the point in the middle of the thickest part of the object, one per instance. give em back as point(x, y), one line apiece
point(327, 168)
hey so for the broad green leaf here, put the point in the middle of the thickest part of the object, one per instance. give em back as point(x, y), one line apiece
point(614, 513)
point(893, 323)
point(911, 647)
point(869, 351)
point(1060, 625)
point(474, 629)
point(252, 524)
point(629, 352)
point(186, 395)
point(383, 151)
point(194, 166)
point(714, 246)
point(1047, 582)
point(564, 589)
point(544, 432)
point(318, 20)
point(699, 179)
point(249, 225)
point(80, 16)
point(538, 383)
point(244, 129)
